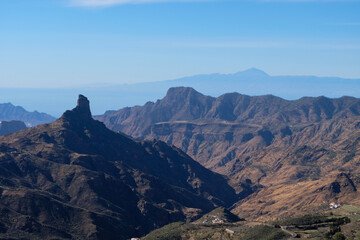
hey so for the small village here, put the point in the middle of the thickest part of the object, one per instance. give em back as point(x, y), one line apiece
point(333, 205)
point(213, 219)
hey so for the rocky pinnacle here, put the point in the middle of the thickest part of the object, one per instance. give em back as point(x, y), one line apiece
point(83, 106)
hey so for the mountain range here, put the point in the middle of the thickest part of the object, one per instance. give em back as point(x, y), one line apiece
point(10, 112)
point(283, 157)
point(111, 96)
point(76, 179)
point(176, 159)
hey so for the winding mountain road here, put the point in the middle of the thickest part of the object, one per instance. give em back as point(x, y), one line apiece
point(292, 234)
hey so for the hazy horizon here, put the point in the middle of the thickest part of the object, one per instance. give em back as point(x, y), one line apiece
point(69, 43)
point(252, 82)
point(109, 84)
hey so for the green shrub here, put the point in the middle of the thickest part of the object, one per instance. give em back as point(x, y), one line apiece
point(172, 231)
point(263, 232)
point(304, 220)
point(339, 236)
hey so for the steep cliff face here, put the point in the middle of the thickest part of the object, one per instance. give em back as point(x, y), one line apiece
point(75, 178)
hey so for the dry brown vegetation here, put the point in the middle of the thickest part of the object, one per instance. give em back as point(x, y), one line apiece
point(282, 157)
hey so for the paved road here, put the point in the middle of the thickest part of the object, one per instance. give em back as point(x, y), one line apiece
point(292, 234)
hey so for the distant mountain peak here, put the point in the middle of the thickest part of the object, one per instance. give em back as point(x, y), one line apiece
point(253, 72)
point(181, 92)
point(9, 112)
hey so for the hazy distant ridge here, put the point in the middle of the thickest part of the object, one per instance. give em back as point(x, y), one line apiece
point(250, 82)
point(11, 112)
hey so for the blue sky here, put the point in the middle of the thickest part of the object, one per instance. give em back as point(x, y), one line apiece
point(69, 43)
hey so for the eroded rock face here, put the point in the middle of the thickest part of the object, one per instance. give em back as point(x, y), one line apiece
point(75, 178)
point(219, 130)
point(83, 107)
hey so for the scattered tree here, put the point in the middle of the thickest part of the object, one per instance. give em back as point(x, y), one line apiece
point(339, 236)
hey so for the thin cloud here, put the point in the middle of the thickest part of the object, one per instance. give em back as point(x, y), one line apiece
point(107, 3)
point(267, 45)
point(312, 1)
point(348, 24)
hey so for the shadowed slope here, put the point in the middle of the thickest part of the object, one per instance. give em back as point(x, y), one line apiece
point(55, 176)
